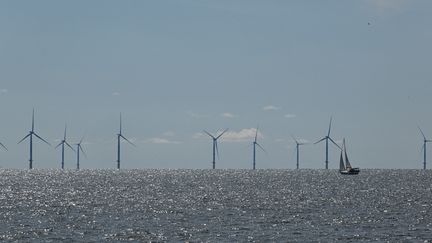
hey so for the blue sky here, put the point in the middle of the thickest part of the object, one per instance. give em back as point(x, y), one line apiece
point(174, 68)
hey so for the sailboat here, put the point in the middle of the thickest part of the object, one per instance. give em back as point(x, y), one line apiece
point(346, 168)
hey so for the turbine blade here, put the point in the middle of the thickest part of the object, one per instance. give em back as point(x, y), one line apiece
point(261, 148)
point(81, 140)
point(209, 134)
point(42, 139)
point(3, 146)
point(64, 137)
point(335, 143)
point(24, 138)
point(127, 140)
point(320, 140)
point(256, 134)
point(33, 121)
point(69, 146)
point(222, 133)
point(424, 137)
point(82, 150)
point(59, 144)
point(331, 119)
point(120, 123)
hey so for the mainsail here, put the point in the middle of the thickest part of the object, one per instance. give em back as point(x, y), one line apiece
point(341, 163)
point(345, 168)
point(348, 165)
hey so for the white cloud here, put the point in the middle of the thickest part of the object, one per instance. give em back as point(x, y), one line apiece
point(244, 135)
point(161, 141)
point(116, 93)
point(290, 116)
point(228, 115)
point(271, 108)
point(4, 91)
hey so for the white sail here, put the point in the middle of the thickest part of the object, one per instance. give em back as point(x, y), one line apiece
point(345, 168)
point(341, 163)
point(348, 165)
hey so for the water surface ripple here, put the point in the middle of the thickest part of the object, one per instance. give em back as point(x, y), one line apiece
point(215, 205)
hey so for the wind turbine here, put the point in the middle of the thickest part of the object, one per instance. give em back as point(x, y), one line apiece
point(298, 144)
point(120, 135)
point(425, 141)
point(255, 143)
point(79, 147)
point(215, 146)
point(327, 138)
point(62, 143)
point(31, 134)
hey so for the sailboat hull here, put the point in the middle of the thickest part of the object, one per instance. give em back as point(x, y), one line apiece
point(352, 171)
point(345, 168)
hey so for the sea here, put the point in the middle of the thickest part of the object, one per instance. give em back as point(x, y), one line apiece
point(215, 206)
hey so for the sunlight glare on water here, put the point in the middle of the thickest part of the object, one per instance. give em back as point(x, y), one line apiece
point(215, 205)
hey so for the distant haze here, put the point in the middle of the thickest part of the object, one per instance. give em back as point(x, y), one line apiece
point(175, 68)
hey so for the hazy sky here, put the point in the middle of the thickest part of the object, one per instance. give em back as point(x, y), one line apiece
point(174, 68)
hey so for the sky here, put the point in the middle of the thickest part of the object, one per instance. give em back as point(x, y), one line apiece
point(176, 68)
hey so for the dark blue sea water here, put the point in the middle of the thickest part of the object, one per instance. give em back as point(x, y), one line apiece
point(215, 205)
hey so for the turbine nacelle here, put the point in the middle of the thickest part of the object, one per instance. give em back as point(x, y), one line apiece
point(120, 135)
point(215, 145)
point(327, 138)
point(255, 143)
point(425, 140)
point(79, 148)
point(30, 134)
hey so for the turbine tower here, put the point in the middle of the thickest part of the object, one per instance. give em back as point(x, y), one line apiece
point(79, 147)
point(31, 134)
point(119, 136)
point(62, 143)
point(327, 138)
point(215, 146)
point(255, 143)
point(425, 141)
point(298, 144)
